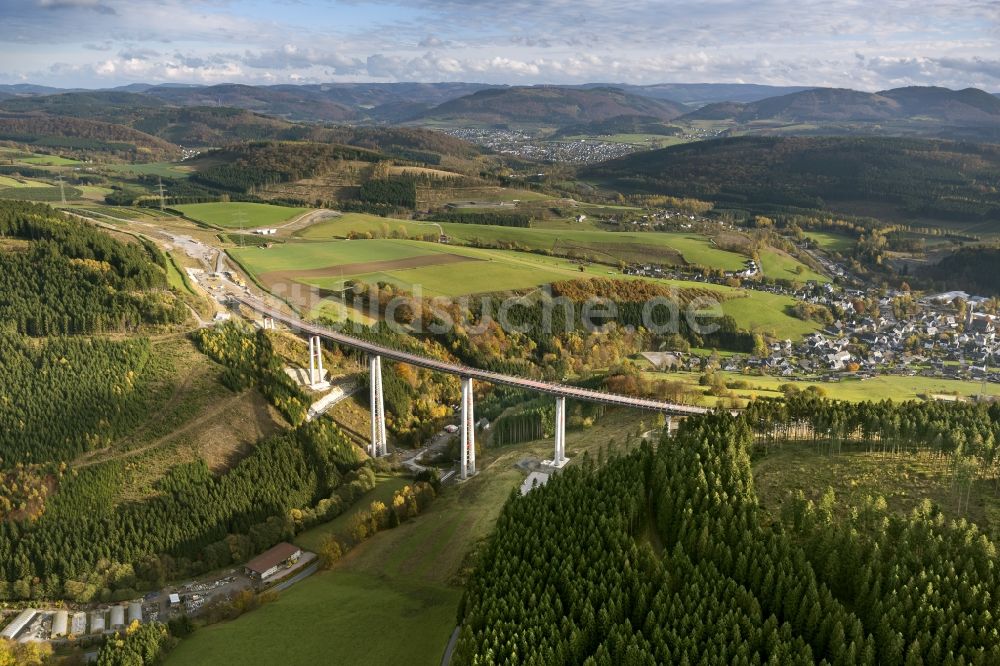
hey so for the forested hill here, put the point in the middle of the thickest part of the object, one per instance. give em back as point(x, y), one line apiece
point(80, 135)
point(61, 276)
point(666, 556)
point(550, 106)
point(930, 179)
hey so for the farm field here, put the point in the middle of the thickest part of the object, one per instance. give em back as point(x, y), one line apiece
point(884, 387)
point(780, 265)
point(602, 245)
point(234, 215)
point(7, 181)
point(830, 241)
point(165, 169)
point(46, 193)
point(767, 313)
point(439, 270)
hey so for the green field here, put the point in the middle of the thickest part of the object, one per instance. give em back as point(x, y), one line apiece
point(336, 617)
point(830, 241)
point(883, 387)
point(780, 265)
point(47, 193)
point(7, 181)
point(768, 313)
point(48, 160)
point(165, 169)
point(236, 215)
point(653, 247)
point(484, 271)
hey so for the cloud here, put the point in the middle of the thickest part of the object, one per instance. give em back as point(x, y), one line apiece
point(291, 56)
point(93, 5)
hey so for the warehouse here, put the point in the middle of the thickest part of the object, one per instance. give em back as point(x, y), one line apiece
point(270, 561)
point(18, 624)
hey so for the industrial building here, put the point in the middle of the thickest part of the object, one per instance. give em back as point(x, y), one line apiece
point(18, 624)
point(270, 561)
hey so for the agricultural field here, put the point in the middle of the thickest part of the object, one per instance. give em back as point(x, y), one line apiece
point(8, 181)
point(851, 389)
point(236, 215)
point(439, 270)
point(45, 193)
point(165, 169)
point(831, 241)
point(777, 264)
point(631, 247)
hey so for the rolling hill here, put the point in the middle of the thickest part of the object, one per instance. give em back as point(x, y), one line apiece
point(927, 109)
point(908, 178)
point(551, 106)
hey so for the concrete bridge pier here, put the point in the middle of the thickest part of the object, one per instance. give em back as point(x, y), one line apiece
point(559, 458)
point(379, 445)
point(468, 427)
point(316, 363)
point(267, 324)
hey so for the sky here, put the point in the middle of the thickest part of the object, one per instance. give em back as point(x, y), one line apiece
point(845, 43)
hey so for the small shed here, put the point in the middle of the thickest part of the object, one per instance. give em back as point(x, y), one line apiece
point(175, 599)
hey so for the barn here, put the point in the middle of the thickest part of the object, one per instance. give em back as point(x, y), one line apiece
point(270, 561)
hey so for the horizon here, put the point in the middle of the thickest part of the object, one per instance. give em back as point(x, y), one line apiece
point(96, 44)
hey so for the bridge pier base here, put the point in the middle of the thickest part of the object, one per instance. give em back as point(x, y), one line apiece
point(316, 371)
point(559, 458)
point(468, 427)
point(267, 324)
point(379, 445)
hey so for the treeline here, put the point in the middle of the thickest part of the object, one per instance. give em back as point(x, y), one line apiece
point(487, 217)
point(251, 166)
point(971, 269)
point(665, 556)
point(75, 279)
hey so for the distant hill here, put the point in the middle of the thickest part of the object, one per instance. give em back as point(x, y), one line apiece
point(87, 136)
point(291, 104)
point(970, 113)
point(698, 94)
point(909, 178)
point(552, 106)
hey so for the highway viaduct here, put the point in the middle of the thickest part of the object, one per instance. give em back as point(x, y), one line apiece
point(375, 353)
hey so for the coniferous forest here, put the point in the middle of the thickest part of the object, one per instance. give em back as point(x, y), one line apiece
point(664, 555)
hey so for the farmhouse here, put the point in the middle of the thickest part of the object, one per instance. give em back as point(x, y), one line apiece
point(266, 232)
point(270, 561)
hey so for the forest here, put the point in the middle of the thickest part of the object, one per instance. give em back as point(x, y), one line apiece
point(970, 269)
point(86, 546)
point(930, 179)
point(664, 555)
point(75, 279)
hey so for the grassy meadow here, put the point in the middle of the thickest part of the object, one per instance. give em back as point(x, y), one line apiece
point(235, 215)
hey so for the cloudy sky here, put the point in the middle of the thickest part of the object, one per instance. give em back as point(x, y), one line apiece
point(860, 44)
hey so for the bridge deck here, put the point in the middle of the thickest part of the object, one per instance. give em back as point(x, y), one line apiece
point(550, 388)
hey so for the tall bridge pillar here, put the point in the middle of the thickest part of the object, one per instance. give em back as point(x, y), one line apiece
point(315, 361)
point(468, 450)
point(560, 457)
point(379, 445)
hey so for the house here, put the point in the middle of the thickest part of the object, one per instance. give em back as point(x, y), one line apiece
point(265, 232)
point(271, 561)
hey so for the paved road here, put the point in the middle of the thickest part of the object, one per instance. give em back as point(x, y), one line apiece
point(560, 390)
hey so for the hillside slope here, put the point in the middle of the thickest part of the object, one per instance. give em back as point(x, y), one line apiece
point(933, 179)
point(549, 106)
